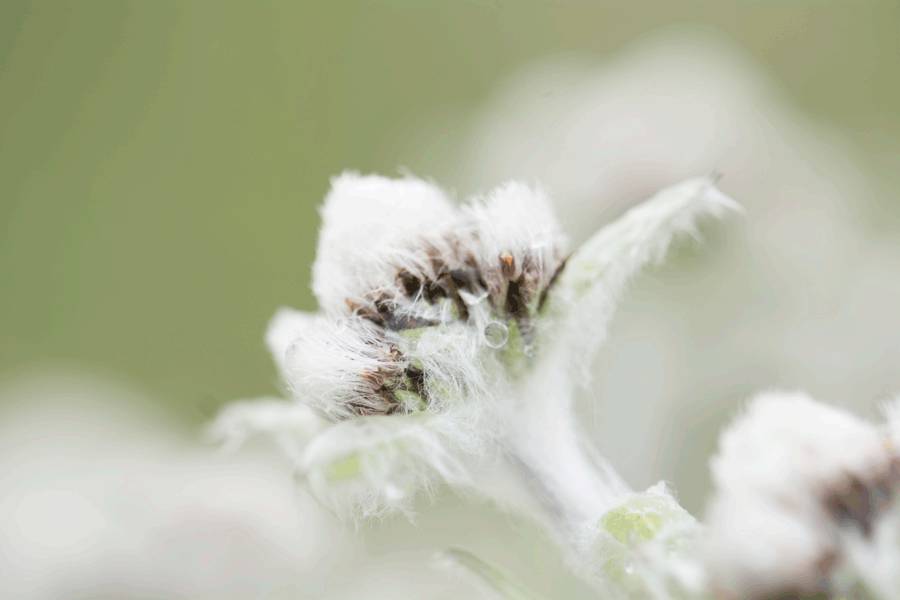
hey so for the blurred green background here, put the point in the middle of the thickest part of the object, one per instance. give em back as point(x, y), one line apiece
point(161, 162)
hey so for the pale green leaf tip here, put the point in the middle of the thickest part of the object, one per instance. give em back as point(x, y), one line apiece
point(642, 517)
point(345, 468)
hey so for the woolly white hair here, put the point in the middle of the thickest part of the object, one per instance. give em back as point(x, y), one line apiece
point(424, 264)
point(366, 220)
point(515, 218)
point(338, 365)
point(379, 235)
point(457, 369)
point(789, 474)
point(516, 222)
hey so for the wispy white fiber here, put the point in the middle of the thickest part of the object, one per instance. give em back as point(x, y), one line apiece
point(458, 370)
point(517, 222)
point(339, 364)
point(366, 221)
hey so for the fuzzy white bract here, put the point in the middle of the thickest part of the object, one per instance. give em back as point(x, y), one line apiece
point(600, 270)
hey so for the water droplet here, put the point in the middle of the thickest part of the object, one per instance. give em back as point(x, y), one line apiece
point(496, 334)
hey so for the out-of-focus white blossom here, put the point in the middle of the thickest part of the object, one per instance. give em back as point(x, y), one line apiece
point(794, 479)
point(99, 499)
point(787, 445)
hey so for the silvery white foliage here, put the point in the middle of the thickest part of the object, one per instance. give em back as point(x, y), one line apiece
point(574, 327)
point(795, 479)
point(443, 346)
point(597, 274)
point(372, 466)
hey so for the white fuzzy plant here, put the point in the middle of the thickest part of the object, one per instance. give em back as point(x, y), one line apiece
point(449, 347)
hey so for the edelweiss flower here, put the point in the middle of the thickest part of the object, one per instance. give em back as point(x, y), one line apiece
point(449, 343)
point(800, 485)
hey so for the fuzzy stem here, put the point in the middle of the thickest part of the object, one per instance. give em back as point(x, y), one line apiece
point(571, 487)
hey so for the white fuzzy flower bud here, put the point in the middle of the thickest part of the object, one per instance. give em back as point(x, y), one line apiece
point(367, 224)
point(417, 295)
point(791, 474)
point(346, 367)
point(442, 348)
